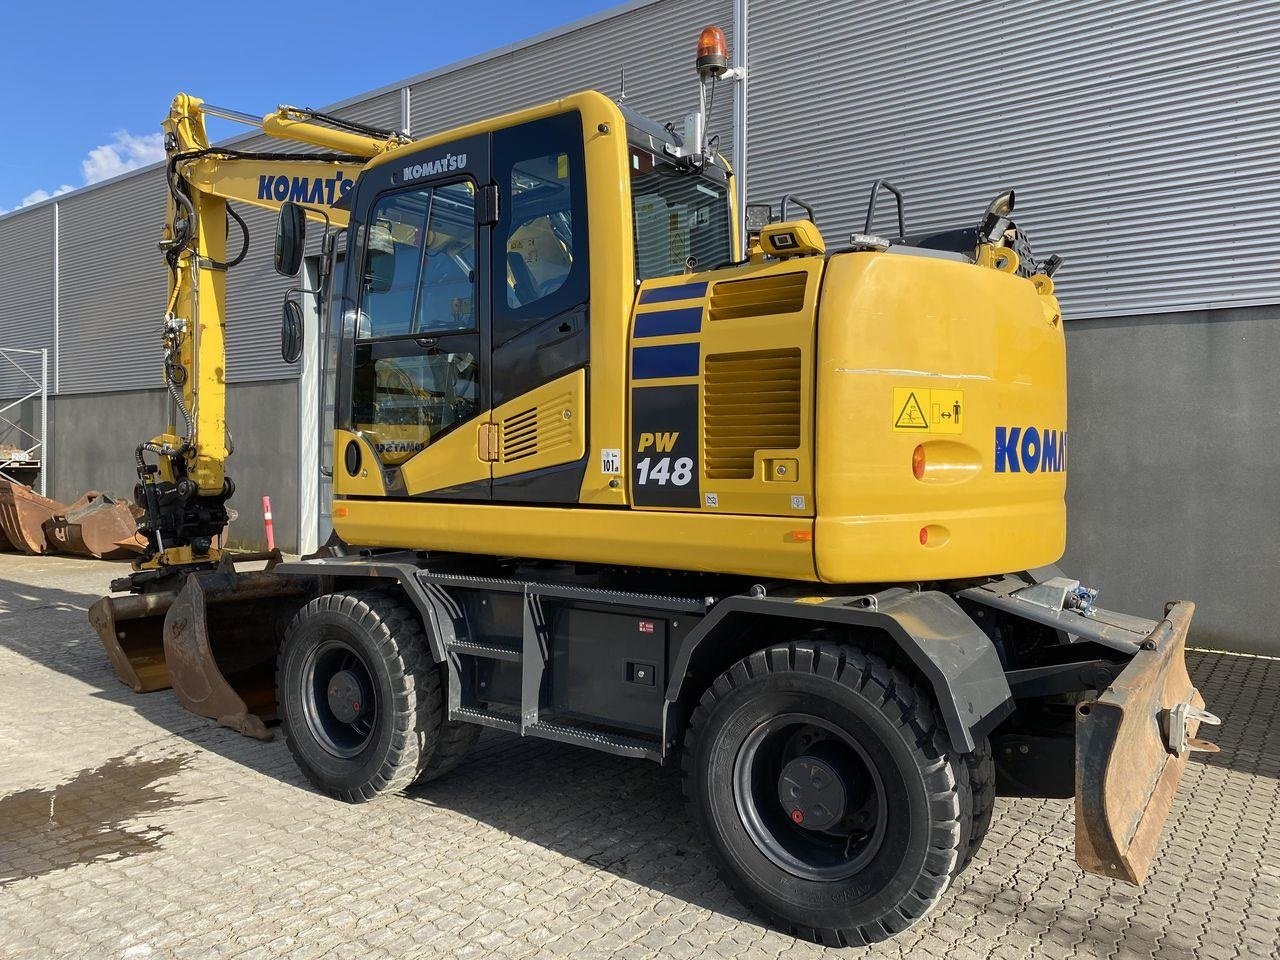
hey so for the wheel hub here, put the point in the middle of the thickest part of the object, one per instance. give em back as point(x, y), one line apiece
point(347, 697)
point(812, 792)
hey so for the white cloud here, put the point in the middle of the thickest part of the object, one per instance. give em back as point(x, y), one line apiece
point(39, 196)
point(124, 153)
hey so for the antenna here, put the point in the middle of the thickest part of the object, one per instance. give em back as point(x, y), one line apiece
point(622, 83)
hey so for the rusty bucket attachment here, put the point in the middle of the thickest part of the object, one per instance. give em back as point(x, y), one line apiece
point(214, 641)
point(131, 631)
point(1132, 745)
point(101, 527)
point(22, 516)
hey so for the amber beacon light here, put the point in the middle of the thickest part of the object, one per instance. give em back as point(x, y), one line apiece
point(713, 53)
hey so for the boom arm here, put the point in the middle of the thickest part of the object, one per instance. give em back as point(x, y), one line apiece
point(184, 494)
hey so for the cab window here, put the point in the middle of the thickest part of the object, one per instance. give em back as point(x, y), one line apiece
point(540, 247)
point(680, 218)
point(540, 241)
point(416, 370)
point(419, 263)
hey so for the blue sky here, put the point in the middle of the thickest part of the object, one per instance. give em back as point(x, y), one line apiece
point(85, 85)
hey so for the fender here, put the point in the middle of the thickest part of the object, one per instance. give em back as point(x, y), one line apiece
point(437, 609)
point(946, 646)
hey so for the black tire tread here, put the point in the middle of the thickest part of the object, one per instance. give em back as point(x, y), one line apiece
point(980, 768)
point(902, 701)
point(455, 741)
point(416, 719)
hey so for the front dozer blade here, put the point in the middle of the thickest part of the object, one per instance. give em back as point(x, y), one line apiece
point(214, 641)
point(1132, 745)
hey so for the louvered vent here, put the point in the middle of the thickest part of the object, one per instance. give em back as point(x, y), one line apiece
point(758, 296)
point(520, 435)
point(541, 429)
point(752, 402)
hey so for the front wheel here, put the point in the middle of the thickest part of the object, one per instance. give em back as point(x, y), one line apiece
point(359, 696)
point(827, 788)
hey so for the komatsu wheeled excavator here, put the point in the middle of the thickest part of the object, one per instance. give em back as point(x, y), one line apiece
point(605, 475)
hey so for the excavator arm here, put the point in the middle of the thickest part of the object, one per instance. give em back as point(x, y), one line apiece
point(191, 620)
point(185, 488)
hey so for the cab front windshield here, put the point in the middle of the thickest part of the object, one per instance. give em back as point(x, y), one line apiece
point(680, 217)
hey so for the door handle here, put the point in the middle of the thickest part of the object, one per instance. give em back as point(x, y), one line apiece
point(566, 329)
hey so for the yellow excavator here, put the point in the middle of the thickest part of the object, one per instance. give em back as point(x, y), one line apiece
point(607, 475)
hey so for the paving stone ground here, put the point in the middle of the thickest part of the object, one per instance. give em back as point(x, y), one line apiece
point(131, 829)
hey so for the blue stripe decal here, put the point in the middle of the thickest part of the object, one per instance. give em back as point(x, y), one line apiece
point(664, 323)
point(685, 291)
point(674, 360)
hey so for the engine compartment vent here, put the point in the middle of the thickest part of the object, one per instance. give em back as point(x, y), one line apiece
point(520, 435)
point(544, 428)
point(758, 296)
point(751, 402)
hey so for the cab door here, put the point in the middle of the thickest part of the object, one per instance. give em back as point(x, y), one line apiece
point(418, 384)
point(540, 296)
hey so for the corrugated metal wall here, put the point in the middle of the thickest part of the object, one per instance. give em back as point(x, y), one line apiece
point(1141, 136)
point(254, 290)
point(112, 285)
point(26, 296)
point(655, 44)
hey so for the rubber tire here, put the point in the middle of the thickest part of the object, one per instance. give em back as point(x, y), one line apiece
point(389, 636)
point(455, 741)
point(897, 723)
point(977, 771)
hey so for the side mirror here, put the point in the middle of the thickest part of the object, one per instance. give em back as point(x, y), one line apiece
point(291, 239)
point(380, 261)
point(291, 332)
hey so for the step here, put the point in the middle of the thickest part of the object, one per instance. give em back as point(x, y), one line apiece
point(485, 719)
point(616, 743)
point(491, 650)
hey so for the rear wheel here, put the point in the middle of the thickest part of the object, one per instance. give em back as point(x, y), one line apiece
point(828, 790)
point(360, 697)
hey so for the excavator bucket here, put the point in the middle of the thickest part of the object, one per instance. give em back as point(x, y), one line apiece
point(1132, 745)
point(22, 516)
point(214, 641)
point(103, 527)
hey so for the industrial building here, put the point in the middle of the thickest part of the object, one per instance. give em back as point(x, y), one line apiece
point(1140, 138)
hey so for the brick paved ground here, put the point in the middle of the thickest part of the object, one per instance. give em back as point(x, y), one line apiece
point(169, 837)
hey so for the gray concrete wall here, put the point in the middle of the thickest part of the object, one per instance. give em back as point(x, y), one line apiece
point(93, 436)
point(264, 422)
point(1172, 488)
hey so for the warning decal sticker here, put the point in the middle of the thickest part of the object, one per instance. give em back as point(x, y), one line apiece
point(917, 410)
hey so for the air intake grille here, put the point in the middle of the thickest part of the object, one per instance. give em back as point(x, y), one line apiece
point(520, 435)
point(752, 403)
point(544, 428)
point(758, 296)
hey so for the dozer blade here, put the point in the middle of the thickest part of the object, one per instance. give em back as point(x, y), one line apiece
point(22, 516)
point(103, 527)
point(220, 639)
point(1132, 745)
